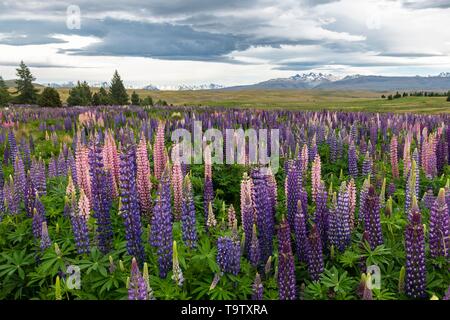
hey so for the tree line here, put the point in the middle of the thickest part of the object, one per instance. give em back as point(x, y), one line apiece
point(397, 95)
point(80, 95)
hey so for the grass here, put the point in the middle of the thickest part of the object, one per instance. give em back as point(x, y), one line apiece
point(296, 100)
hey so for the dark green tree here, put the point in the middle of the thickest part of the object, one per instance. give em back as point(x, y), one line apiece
point(5, 97)
point(147, 101)
point(27, 94)
point(80, 95)
point(448, 95)
point(117, 92)
point(49, 98)
point(135, 100)
point(96, 99)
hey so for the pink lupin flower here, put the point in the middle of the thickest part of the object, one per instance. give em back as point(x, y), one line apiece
point(177, 182)
point(407, 156)
point(304, 158)
point(315, 176)
point(111, 161)
point(144, 185)
point(394, 162)
point(84, 208)
point(82, 165)
point(351, 187)
point(159, 157)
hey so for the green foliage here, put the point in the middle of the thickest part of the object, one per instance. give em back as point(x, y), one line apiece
point(26, 93)
point(5, 97)
point(80, 95)
point(147, 101)
point(135, 100)
point(49, 98)
point(117, 92)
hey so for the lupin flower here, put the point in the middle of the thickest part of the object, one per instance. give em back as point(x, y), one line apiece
point(339, 220)
point(129, 208)
point(315, 176)
point(177, 274)
point(247, 216)
point(428, 199)
point(258, 288)
point(301, 236)
point(394, 161)
point(137, 287)
point(254, 253)
point(177, 183)
point(304, 160)
point(321, 215)
point(79, 216)
point(293, 190)
point(111, 161)
point(362, 199)
point(314, 254)
point(159, 157)
point(82, 165)
point(367, 165)
point(37, 173)
point(286, 269)
point(161, 229)
point(411, 189)
point(211, 220)
point(19, 177)
point(352, 160)
point(188, 218)
point(415, 276)
point(143, 182)
point(228, 255)
point(100, 201)
point(372, 224)
point(351, 202)
point(147, 281)
point(45, 238)
point(231, 215)
point(439, 227)
point(263, 213)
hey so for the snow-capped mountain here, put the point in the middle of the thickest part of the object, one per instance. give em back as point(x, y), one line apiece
point(150, 87)
point(314, 78)
point(444, 75)
point(211, 86)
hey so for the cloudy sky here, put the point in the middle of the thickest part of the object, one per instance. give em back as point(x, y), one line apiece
point(171, 42)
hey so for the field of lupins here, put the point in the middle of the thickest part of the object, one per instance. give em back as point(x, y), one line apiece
point(92, 207)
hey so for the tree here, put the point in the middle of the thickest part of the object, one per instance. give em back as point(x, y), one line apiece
point(383, 96)
point(80, 95)
point(448, 95)
point(49, 98)
point(27, 94)
point(147, 101)
point(117, 92)
point(5, 97)
point(135, 100)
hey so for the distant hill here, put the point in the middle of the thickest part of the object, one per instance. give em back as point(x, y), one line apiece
point(312, 80)
point(12, 84)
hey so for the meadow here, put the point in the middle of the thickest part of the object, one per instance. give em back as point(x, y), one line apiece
point(295, 100)
point(93, 205)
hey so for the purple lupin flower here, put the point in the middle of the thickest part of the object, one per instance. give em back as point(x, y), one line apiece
point(263, 213)
point(301, 237)
point(286, 269)
point(45, 242)
point(367, 165)
point(439, 227)
point(341, 219)
point(137, 287)
point(314, 254)
point(2, 203)
point(37, 173)
point(254, 253)
point(129, 204)
point(321, 218)
point(428, 199)
point(415, 276)
point(293, 188)
point(62, 166)
point(352, 160)
point(38, 218)
point(52, 167)
point(78, 215)
point(188, 219)
point(29, 196)
point(19, 177)
point(12, 146)
point(228, 255)
point(258, 288)
point(161, 230)
point(372, 222)
point(101, 198)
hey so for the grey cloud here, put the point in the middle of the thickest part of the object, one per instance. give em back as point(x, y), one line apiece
point(409, 54)
point(427, 4)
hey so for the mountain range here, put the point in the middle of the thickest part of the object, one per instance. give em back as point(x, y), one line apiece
point(313, 80)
